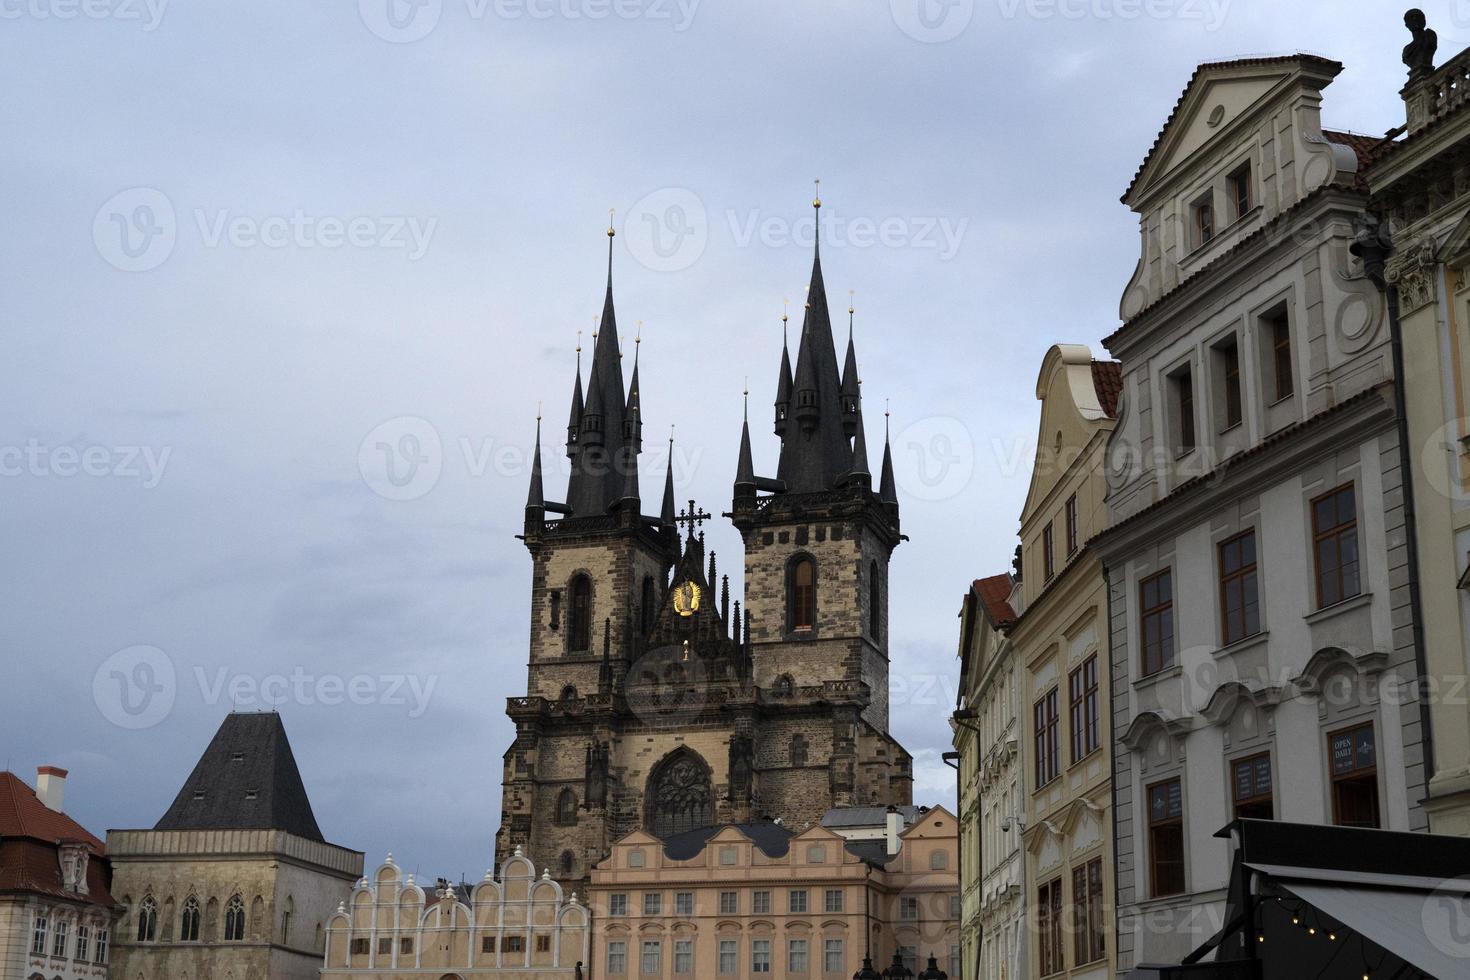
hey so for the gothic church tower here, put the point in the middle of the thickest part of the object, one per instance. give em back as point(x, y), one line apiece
point(651, 703)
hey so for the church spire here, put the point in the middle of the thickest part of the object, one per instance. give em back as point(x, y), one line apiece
point(574, 424)
point(745, 468)
point(822, 458)
point(536, 498)
point(783, 383)
point(887, 492)
point(599, 479)
point(851, 390)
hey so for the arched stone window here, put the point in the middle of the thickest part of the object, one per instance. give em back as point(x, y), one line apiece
point(679, 797)
point(580, 638)
point(784, 686)
point(566, 808)
point(875, 604)
point(569, 693)
point(147, 920)
point(567, 864)
point(235, 920)
point(649, 606)
point(801, 594)
point(189, 921)
point(798, 751)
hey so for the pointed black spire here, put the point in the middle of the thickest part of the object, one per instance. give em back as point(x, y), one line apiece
point(633, 433)
point(599, 478)
point(887, 491)
point(851, 384)
point(536, 498)
point(821, 456)
point(574, 424)
point(630, 495)
point(745, 468)
point(784, 383)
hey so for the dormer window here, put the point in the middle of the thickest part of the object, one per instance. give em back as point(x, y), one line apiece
point(1239, 185)
point(1202, 219)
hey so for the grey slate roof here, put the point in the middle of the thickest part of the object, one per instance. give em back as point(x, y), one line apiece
point(246, 780)
point(773, 839)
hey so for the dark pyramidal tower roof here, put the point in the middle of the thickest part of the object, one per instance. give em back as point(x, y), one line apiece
point(246, 780)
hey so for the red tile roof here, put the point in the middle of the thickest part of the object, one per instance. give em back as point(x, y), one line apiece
point(1107, 380)
point(30, 833)
point(995, 596)
point(23, 815)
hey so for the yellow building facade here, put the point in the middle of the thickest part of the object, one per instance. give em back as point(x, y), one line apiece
point(1060, 638)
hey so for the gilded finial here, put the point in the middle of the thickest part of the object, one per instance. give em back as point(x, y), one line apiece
point(817, 200)
point(671, 436)
point(850, 308)
point(784, 302)
point(579, 341)
point(611, 231)
point(538, 412)
point(638, 335)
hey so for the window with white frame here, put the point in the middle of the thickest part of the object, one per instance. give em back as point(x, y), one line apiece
point(760, 956)
point(652, 960)
point(683, 956)
point(796, 953)
point(617, 957)
point(729, 952)
point(832, 956)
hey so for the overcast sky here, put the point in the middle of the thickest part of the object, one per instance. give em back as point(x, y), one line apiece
point(256, 254)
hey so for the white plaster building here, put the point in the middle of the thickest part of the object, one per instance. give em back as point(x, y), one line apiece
point(513, 927)
point(1255, 554)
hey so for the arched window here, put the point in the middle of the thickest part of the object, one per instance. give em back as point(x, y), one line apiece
point(679, 797)
point(875, 604)
point(649, 607)
point(569, 693)
point(235, 920)
point(581, 615)
point(147, 920)
point(189, 921)
point(798, 750)
point(568, 864)
point(801, 599)
point(566, 808)
point(286, 920)
point(785, 686)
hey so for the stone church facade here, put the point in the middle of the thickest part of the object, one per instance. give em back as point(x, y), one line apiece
point(652, 702)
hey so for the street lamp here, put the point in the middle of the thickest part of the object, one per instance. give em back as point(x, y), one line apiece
point(896, 970)
point(932, 971)
point(867, 972)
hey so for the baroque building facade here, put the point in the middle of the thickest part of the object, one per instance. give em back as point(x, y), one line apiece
point(756, 900)
point(987, 739)
point(1261, 626)
point(1060, 639)
point(57, 913)
point(1420, 200)
point(235, 882)
point(514, 927)
point(653, 704)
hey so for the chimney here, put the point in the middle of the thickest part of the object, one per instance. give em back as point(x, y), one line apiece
point(893, 827)
point(50, 785)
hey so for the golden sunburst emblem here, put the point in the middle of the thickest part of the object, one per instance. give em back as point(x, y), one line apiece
point(686, 598)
